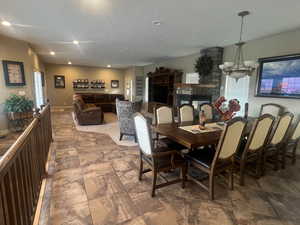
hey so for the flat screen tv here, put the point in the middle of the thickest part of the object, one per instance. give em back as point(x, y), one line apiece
point(279, 77)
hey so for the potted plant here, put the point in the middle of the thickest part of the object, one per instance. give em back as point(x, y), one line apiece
point(18, 107)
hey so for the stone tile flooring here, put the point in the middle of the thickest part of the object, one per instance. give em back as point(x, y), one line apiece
point(94, 181)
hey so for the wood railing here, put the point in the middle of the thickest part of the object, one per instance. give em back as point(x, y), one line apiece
point(22, 170)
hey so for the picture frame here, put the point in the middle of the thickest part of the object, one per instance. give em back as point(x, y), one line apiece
point(14, 74)
point(59, 81)
point(115, 84)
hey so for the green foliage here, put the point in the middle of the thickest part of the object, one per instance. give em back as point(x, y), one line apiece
point(17, 103)
point(204, 65)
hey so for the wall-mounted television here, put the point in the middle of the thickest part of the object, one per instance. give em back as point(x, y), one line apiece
point(279, 77)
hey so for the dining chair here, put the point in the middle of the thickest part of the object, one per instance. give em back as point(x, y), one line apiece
point(251, 150)
point(165, 115)
point(275, 148)
point(208, 111)
point(271, 108)
point(216, 161)
point(186, 113)
point(159, 159)
point(292, 143)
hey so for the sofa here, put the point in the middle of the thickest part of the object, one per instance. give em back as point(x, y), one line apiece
point(107, 102)
point(87, 114)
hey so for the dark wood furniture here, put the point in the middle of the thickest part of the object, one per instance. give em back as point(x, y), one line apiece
point(271, 108)
point(158, 159)
point(215, 162)
point(276, 146)
point(251, 150)
point(107, 102)
point(293, 142)
point(162, 87)
point(185, 138)
point(186, 113)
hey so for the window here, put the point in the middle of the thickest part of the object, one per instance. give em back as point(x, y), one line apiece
point(39, 99)
point(237, 90)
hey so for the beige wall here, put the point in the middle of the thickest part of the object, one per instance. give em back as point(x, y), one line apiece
point(280, 44)
point(63, 96)
point(15, 50)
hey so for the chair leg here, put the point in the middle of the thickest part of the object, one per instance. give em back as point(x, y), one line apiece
point(242, 173)
point(135, 139)
point(283, 158)
point(154, 182)
point(231, 178)
point(183, 172)
point(294, 155)
point(141, 169)
point(121, 136)
point(211, 186)
point(276, 156)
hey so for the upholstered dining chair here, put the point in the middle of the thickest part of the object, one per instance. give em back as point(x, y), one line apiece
point(125, 111)
point(275, 148)
point(159, 159)
point(271, 108)
point(208, 111)
point(165, 115)
point(186, 113)
point(292, 143)
point(216, 161)
point(252, 149)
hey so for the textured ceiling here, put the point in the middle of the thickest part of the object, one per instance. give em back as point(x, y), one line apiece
point(121, 33)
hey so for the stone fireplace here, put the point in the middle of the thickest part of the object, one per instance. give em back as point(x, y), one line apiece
point(208, 89)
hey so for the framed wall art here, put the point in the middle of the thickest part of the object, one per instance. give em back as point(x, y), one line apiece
point(59, 81)
point(114, 84)
point(14, 73)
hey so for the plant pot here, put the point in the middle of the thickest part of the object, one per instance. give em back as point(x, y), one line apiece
point(19, 115)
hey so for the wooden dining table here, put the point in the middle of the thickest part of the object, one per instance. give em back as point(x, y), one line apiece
point(193, 140)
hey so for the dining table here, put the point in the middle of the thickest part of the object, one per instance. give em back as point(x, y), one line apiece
point(189, 136)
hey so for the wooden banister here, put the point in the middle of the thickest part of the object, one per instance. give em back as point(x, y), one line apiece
point(22, 169)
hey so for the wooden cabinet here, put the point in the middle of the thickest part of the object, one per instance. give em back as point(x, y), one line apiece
point(162, 87)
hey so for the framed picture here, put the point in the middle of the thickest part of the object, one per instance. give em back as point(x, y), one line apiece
point(43, 79)
point(115, 84)
point(59, 81)
point(14, 73)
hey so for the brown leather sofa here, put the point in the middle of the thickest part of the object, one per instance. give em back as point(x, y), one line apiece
point(107, 102)
point(87, 114)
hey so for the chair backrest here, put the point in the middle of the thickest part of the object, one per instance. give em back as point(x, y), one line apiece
point(230, 138)
point(208, 110)
point(164, 115)
point(260, 133)
point(143, 134)
point(281, 128)
point(296, 133)
point(271, 108)
point(186, 113)
point(125, 113)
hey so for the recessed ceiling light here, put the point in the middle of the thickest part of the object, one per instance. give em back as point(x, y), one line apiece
point(6, 23)
point(75, 42)
point(156, 22)
point(52, 53)
point(70, 63)
point(108, 66)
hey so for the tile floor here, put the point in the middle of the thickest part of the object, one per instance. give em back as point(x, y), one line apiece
point(93, 181)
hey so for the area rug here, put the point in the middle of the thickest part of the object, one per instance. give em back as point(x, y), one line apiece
point(110, 127)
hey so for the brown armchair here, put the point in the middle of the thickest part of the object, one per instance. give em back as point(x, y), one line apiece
point(86, 115)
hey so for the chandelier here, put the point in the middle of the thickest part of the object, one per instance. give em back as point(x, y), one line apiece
point(239, 68)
